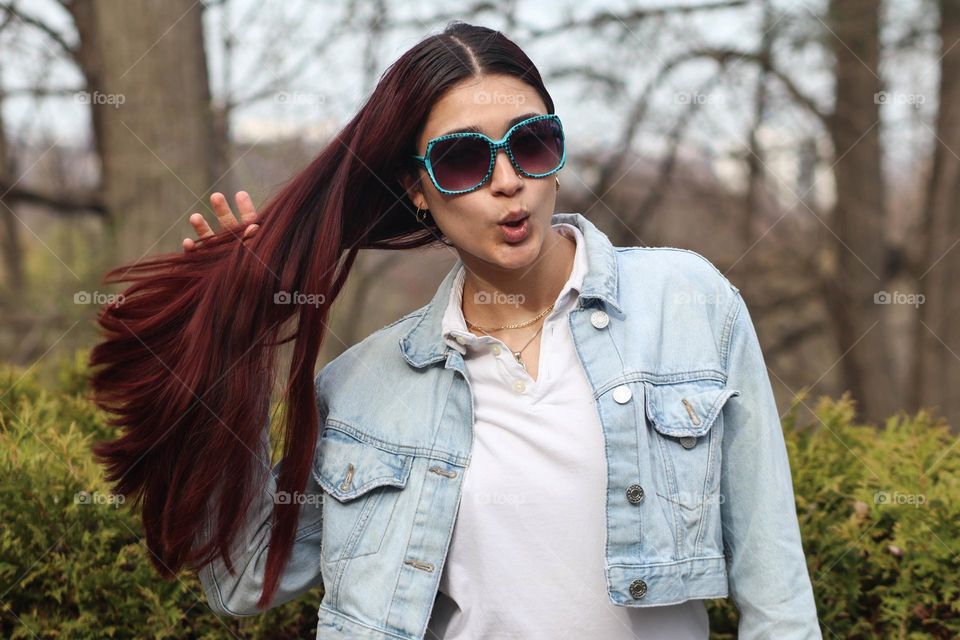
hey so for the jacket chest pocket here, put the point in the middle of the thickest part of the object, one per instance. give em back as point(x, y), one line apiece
point(687, 429)
point(362, 484)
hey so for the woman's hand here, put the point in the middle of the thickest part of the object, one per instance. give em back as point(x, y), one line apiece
point(224, 216)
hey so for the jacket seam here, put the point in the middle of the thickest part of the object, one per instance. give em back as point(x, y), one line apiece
point(726, 339)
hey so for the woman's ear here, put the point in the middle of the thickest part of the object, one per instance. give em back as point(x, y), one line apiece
point(411, 185)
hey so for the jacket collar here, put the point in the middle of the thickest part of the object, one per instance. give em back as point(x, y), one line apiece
point(423, 344)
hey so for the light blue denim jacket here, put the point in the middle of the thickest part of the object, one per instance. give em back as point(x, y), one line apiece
point(699, 500)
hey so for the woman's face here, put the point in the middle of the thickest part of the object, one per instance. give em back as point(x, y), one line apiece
point(471, 220)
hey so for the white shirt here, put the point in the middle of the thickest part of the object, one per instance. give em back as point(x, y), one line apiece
point(526, 559)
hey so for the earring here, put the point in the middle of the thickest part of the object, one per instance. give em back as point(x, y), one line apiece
point(421, 215)
point(558, 183)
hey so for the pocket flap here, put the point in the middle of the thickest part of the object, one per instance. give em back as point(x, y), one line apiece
point(686, 408)
point(346, 467)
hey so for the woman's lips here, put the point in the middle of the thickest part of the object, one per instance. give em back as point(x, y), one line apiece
point(517, 231)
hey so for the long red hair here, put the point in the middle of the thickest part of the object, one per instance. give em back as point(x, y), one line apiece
point(188, 357)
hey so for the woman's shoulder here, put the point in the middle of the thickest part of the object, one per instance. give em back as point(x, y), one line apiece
point(670, 267)
point(379, 351)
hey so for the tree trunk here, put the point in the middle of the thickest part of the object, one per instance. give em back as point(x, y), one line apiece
point(150, 102)
point(859, 213)
point(936, 373)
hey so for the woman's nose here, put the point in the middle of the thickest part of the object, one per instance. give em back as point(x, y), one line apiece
point(505, 177)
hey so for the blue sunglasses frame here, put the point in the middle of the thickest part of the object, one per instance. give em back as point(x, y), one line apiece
point(495, 146)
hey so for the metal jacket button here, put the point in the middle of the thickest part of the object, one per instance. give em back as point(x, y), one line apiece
point(635, 494)
point(599, 319)
point(638, 589)
point(688, 442)
point(622, 394)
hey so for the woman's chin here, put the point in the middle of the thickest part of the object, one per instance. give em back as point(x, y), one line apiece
point(516, 256)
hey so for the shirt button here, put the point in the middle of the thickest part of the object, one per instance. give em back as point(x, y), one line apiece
point(461, 340)
point(622, 394)
point(599, 319)
point(519, 387)
point(496, 350)
point(638, 589)
point(688, 442)
point(635, 494)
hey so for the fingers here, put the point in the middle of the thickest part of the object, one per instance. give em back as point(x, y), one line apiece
point(222, 210)
point(201, 227)
point(248, 212)
point(225, 217)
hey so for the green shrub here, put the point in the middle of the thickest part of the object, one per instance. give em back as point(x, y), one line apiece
point(879, 510)
point(74, 565)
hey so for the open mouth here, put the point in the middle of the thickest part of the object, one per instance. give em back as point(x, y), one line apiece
point(515, 224)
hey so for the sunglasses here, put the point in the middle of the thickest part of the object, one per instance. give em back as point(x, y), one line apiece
point(463, 162)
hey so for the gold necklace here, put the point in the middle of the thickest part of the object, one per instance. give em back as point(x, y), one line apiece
point(516, 354)
point(516, 325)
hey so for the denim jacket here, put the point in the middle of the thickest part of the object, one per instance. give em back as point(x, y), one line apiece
point(699, 500)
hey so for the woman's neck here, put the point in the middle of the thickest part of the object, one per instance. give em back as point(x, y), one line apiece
point(496, 297)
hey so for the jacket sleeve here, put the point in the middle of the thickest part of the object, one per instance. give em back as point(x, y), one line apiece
point(237, 595)
point(766, 568)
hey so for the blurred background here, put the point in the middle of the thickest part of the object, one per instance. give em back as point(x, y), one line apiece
point(809, 148)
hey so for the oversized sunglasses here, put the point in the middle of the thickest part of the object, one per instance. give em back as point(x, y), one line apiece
point(462, 162)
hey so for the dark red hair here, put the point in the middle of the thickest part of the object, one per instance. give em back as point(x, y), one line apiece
point(188, 357)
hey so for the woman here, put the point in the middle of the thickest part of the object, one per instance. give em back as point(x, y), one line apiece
point(570, 440)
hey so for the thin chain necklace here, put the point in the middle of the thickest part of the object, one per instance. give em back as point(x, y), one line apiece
point(516, 325)
point(516, 354)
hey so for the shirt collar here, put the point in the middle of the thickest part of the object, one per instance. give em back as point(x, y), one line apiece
point(424, 343)
point(454, 325)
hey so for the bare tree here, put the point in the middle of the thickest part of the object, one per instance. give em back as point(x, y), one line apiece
point(145, 66)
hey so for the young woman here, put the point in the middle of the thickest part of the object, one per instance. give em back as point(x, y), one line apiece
point(570, 440)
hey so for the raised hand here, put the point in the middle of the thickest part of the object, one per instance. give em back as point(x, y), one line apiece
point(224, 216)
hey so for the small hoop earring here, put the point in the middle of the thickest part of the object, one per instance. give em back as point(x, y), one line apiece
point(421, 214)
point(558, 183)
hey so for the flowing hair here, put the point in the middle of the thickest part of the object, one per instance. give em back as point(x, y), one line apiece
point(188, 359)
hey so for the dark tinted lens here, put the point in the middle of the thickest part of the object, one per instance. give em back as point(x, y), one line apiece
point(460, 163)
point(538, 146)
